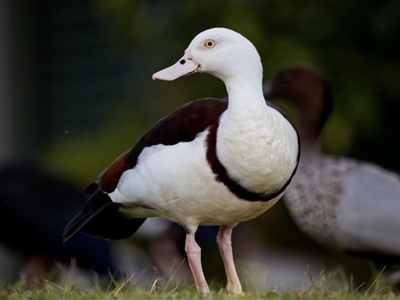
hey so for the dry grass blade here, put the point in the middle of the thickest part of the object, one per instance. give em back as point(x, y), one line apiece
point(122, 284)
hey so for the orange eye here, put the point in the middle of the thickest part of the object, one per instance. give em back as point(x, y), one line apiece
point(209, 43)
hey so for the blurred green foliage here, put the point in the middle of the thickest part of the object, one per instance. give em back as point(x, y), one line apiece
point(355, 43)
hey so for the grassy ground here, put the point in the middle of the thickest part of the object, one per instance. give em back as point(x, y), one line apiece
point(131, 293)
point(319, 289)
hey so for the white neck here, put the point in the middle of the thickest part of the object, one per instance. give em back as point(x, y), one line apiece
point(245, 91)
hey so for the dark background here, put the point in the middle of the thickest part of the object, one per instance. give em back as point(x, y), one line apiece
point(78, 73)
point(76, 87)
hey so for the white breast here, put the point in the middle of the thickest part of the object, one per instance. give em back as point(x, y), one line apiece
point(258, 147)
point(176, 183)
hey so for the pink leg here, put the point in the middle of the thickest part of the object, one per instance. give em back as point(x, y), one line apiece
point(224, 240)
point(193, 252)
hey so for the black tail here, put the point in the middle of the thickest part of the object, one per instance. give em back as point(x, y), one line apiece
point(100, 217)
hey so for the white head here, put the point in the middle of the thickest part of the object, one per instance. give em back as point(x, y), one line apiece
point(221, 52)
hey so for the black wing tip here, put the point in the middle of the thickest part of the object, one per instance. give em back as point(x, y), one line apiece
point(69, 233)
point(78, 223)
point(91, 188)
point(100, 218)
point(67, 238)
point(73, 227)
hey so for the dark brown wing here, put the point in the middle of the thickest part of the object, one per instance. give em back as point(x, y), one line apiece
point(100, 216)
point(182, 125)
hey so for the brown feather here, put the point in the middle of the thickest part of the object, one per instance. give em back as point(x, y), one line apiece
point(182, 125)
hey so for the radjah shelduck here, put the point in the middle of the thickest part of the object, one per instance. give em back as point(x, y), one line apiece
point(210, 162)
point(343, 203)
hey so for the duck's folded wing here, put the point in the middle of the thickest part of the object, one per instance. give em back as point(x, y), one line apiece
point(182, 125)
point(100, 216)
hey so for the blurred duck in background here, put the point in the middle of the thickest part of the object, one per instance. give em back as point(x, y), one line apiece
point(342, 203)
point(34, 208)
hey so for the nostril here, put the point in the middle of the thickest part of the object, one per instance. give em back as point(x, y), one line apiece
point(182, 61)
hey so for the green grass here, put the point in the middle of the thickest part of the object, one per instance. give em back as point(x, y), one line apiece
point(55, 293)
point(190, 293)
point(320, 288)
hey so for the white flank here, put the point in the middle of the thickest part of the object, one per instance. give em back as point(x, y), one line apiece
point(176, 183)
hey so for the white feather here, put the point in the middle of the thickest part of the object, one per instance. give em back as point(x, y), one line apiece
point(176, 183)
